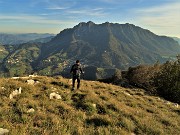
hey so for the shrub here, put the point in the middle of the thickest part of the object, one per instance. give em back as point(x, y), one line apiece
point(142, 76)
point(116, 78)
point(167, 81)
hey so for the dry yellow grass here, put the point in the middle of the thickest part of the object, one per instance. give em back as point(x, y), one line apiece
point(97, 108)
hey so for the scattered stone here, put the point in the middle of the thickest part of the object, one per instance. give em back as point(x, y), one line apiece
point(3, 88)
point(70, 81)
point(31, 110)
point(36, 82)
point(33, 75)
point(94, 105)
point(167, 102)
point(158, 98)
point(54, 95)
point(31, 82)
point(3, 131)
point(15, 93)
point(176, 105)
point(53, 89)
point(127, 94)
point(15, 77)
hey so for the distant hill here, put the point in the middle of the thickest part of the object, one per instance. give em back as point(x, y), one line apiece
point(42, 40)
point(106, 46)
point(14, 39)
point(177, 39)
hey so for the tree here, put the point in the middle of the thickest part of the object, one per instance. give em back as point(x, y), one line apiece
point(167, 81)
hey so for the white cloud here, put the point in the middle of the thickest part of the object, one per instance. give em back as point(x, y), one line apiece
point(162, 19)
point(57, 8)
point(31, 19)
point(96, 12)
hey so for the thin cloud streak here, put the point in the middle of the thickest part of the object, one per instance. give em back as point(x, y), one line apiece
point(32, 19)
point(164, 19)
point(97, 12)
point(57, 8)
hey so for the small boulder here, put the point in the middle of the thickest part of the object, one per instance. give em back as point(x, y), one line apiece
point(54, 95)
point(176, 105)
point(31, 110)
point(31, 82)
point(127, 94)
point(167, 102)
point(3, 131)
point(94, 105)
point(15, 93)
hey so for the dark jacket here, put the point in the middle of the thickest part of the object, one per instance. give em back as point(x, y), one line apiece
point(76, 70)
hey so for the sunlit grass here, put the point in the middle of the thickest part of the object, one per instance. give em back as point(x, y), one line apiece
point(96, 108)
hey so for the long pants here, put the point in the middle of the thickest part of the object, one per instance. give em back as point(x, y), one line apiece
point(78, 81)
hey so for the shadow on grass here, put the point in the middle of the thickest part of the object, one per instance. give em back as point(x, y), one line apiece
point(97, 122)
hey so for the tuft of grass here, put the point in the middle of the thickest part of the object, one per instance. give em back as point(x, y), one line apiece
point(126, 123)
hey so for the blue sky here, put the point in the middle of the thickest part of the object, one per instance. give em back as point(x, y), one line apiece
point(51, 16)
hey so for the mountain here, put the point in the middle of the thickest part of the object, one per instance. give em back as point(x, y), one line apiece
point(104, 46)
point(14, 39)
point(97, 108)
point(42, 40)
point(111, 45)
point(177, 39)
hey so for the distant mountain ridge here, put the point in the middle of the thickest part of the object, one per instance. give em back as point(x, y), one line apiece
point(111, 45)
point(14, 39)
point(177, 39)
point(107, 45)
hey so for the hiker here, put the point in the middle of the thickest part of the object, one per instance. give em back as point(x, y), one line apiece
point(76, 71)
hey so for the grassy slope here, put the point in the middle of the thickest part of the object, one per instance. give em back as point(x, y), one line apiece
point(116, 112)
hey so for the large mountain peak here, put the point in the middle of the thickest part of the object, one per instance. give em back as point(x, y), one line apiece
point(112, 44)
point(84, 24)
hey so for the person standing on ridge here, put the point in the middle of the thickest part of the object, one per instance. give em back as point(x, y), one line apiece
point(76, 71)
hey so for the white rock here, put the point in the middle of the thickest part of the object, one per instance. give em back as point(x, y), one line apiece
point(127, 94)
point(31, 110)
point(3, 131)
point(167, 102)
point(94, 105)
point(32, 75)
point(19, 90)
point(11, 96)
point(3, 88)
point(15, 77)
point(176, 105)
point(54, 95)
point(15, 93)
point(37, 82)
point(70, 81)
point(31, 82)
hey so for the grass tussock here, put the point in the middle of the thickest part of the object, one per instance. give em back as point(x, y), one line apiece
point(96, 108)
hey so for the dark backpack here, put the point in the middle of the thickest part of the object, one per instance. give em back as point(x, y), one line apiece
point(76, 70)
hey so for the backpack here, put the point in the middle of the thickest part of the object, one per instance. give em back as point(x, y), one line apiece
point(76, 70)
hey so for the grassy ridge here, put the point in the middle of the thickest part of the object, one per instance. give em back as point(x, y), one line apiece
point(97, 108)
